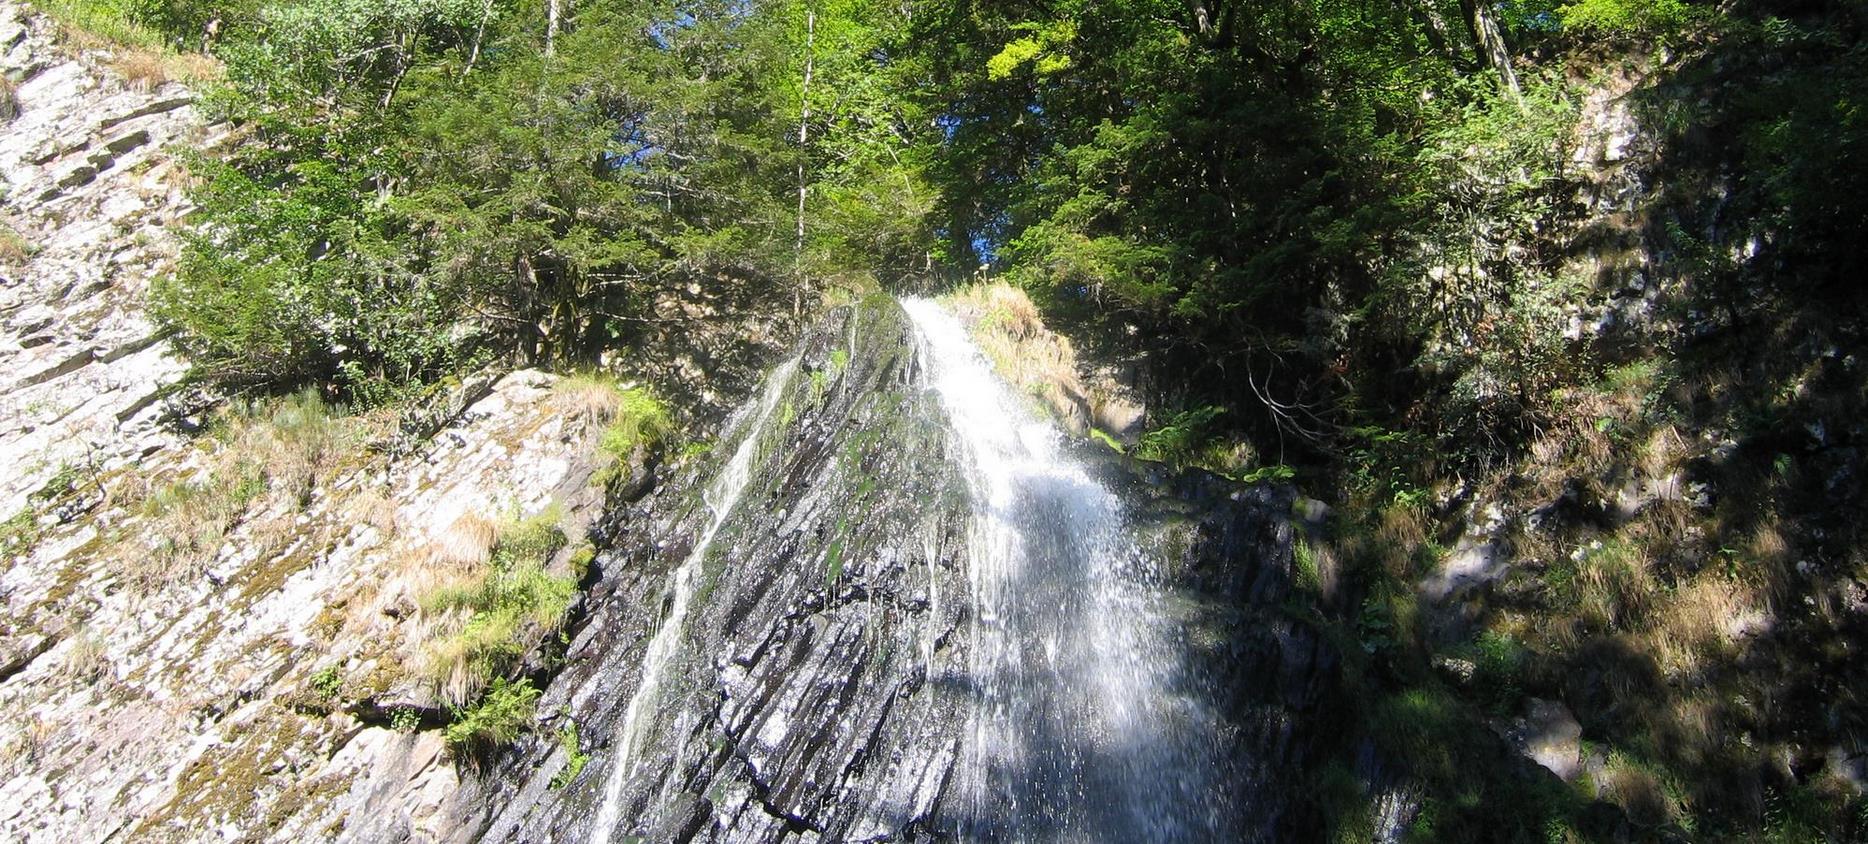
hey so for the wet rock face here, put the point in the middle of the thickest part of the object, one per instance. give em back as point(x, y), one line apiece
point(1227, 554)
point(819, 688)
point(813, 688)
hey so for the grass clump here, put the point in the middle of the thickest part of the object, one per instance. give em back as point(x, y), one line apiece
point(498, 717)
point(634, 419)
point(19, 534)
point(642, 421)
point(500, 608)
point(14, 248)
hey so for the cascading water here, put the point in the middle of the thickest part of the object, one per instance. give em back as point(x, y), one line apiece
point(720, 497)
point(1079, 730)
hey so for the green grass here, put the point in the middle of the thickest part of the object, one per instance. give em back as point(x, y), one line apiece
point(641, 419)
point(19, 534)
point(113, 22)
point(1304, 560)
point(509, 604)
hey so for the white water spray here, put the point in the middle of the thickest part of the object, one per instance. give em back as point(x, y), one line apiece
point(720, 497)
point(1077, 730)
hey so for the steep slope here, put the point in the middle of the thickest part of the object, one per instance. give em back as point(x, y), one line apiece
point(220, 629)
point(91, 191)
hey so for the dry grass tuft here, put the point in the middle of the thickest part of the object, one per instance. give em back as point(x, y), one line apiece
point(1613, 584)
point(196, 68)
point(9, 99)
point(373, 508)
point(141, 70)
point(1703, 619)
point(86, 659)
point(1660, 452)
point(466, 543)
point(1399, 536)
point(25, 739)
point(1010, 332)
point(594, 399)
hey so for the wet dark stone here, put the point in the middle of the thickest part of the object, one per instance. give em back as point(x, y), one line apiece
point(819, 689)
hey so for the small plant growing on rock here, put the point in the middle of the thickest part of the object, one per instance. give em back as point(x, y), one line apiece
point(405, 720)
point(641, 420)
point(19, 534)
point(13, 247)
point(500, 716)
point(574, 758)
point(326, 683)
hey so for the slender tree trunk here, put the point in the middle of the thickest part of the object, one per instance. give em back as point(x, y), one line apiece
point(1202, 18)
point(1491, 44)
point(404, 49)
point(551, 27)
point(804, 137)
point(479, 36)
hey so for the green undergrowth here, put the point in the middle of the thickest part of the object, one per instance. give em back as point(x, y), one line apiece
point(1676, 554)
point(501, 715)
point(505, 607)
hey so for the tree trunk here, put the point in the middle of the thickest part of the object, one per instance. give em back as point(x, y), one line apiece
point(804, 137)
point(479, 35)
point(1491, 44)
point(551, 27)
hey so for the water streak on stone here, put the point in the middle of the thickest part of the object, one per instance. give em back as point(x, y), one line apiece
point(720, 496)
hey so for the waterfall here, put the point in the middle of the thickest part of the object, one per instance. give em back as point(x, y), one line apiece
point(720, 498)
point(1078, 730)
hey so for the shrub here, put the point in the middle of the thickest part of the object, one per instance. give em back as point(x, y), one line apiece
point(1627, 17)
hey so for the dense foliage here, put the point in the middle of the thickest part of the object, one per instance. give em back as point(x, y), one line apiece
point(423, 186)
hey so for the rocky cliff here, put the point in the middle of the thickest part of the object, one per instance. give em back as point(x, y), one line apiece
point(205, 634)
